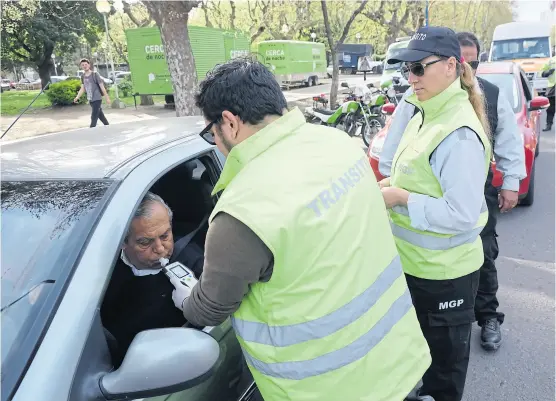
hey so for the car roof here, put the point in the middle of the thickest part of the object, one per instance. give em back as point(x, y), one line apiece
point(497, 67)
point(94, 153)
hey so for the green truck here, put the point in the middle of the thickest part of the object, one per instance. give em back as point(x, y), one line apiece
point(293, 62)
point(147, 62)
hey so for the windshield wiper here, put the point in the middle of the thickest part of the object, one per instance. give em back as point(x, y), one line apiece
point(27, 293)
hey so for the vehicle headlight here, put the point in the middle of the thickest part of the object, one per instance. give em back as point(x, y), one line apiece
point(376, 145)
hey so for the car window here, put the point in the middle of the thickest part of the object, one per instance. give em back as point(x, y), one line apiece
point(508, 87)
point(520, 48)
point(44, 226)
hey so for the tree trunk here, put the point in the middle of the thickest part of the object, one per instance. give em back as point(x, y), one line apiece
point(334, 46)
point(147, 100)
point(45, 65)
point(171, 18)
point(335, 64)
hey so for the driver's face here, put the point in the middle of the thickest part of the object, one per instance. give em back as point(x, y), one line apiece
point(150, 238)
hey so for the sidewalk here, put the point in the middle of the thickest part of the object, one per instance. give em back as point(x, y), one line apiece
point(39, 122)
point(63, 119)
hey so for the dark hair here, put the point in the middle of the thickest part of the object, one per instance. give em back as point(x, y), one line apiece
point(84, 60)
point(243, 86)
point(469, 39)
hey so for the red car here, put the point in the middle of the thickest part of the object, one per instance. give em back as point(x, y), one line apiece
point(512, 81)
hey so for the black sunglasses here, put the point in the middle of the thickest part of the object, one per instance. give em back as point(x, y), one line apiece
point(417, 69)
point(207, 134)
point(474, 64)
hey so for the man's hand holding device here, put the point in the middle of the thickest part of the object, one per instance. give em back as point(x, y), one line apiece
point(181, 278)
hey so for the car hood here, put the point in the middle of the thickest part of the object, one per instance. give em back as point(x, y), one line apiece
point(531, 64)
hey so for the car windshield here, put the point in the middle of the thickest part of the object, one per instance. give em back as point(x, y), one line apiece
point(392, 53)
point(44, 226)
point(520, 48)
point(507, 85)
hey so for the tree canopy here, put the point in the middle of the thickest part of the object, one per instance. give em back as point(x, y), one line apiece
point(33, 30)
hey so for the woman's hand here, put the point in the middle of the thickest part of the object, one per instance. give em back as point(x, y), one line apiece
point(384, 183)
point(394, 196)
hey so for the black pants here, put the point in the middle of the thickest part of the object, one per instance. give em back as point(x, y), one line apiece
point(486, 303)
point(445, 312)
point(97, 114)
point(550, 110)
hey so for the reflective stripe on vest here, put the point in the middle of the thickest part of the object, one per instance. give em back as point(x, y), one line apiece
point(434, 242)
point(299, 370)
point(283, 336)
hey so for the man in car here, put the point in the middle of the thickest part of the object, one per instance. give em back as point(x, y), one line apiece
point(139, 296)
point(300, 253)
point(510, 158)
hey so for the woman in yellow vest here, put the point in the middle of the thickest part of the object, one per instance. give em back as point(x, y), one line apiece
point(436, 201)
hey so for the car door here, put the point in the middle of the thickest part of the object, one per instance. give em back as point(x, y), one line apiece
point(74, 354)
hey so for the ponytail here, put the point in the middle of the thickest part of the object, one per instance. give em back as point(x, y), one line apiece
point(475, 96)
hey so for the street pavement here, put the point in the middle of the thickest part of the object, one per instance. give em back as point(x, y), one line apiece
point(523, 368)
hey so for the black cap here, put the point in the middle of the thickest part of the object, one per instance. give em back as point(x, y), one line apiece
point(429, 41)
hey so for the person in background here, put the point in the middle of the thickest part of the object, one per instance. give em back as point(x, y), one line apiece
point(93, 85)
point(510, 160)
point(300, 253)
point(436, 202)
point(549, 72)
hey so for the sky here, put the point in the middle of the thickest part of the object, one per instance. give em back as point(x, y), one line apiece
point(531, 10)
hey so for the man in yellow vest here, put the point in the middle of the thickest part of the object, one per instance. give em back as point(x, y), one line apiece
point(300, 253)
point(549, 72)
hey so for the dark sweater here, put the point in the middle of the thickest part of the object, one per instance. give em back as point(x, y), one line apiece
point(136, 303)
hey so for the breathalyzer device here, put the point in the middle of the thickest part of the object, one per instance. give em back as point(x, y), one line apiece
point(179, 271)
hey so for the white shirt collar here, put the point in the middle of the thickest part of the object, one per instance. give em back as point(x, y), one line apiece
point(138, 272)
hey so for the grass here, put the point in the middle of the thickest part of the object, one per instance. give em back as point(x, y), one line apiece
point(14, 102)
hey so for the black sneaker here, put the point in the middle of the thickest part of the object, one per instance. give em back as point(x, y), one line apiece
point(548, 128)
point(491, 337)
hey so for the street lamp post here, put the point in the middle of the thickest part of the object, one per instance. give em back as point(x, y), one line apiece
point(313, 36)
point(54, 61)
point(358, 36)
point(104, 7)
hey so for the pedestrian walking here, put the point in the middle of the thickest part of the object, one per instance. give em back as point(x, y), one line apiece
point(93, 85)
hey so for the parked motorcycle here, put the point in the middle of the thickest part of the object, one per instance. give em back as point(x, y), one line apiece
point(367, 119)
point(332, 118)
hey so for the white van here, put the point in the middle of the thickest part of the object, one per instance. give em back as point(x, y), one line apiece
point(527, 44)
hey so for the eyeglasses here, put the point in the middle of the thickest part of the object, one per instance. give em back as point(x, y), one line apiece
point(207, 134)
point(417, 69)
point(474, 64)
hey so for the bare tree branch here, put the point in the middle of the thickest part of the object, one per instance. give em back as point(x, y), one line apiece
point(350, 21)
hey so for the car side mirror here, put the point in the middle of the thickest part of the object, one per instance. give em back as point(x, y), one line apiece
point(371, 85)
point(344, 85)
point(160, 362)
point(539, 103)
